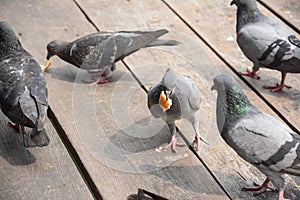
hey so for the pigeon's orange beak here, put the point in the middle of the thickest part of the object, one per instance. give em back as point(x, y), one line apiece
point(164, 103)
point(48, 63)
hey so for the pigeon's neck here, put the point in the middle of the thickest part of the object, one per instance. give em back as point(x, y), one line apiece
point(63, 51)
point(247, 15)
point(232, 104)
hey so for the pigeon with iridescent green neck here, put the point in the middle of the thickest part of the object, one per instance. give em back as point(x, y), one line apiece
point(176, 97)
point(257, 137)
point(266, 42)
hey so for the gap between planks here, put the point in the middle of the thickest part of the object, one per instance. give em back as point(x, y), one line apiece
point(233, 69)
point(74, 155)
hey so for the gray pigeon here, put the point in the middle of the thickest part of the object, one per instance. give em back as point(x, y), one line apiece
point(175, 97)
point(266, 42)
point(23, 92)
point(257, 137)
point(98, 52)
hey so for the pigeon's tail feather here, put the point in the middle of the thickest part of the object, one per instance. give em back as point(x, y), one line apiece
point(42, 117)
point(163, 43)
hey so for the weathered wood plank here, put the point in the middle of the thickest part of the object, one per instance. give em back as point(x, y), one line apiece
point(290, 10)
point(35, 173)
point(230, 170)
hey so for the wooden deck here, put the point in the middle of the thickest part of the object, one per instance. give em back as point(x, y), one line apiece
point(103, 139)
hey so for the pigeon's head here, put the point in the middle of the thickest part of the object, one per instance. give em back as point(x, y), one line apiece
point(53, 48)
point(8, 38)
point(224, 82)
point(169, 81)
point(243, 3)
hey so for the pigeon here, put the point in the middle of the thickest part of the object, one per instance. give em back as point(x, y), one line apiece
point(257, 137)
point(266, 42)
point(173, 98)
point(23, 91)
point(99, 51)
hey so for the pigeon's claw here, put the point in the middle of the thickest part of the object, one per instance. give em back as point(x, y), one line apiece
point(253, 74)
point(197, 140)
point(277, 87)
point(260, 188)
point(173, 144)
point(47, 65)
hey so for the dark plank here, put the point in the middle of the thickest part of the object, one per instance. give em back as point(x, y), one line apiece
point(190, 59)
point(35, 173)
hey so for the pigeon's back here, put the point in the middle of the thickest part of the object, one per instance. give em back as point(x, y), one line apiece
point(23, 92)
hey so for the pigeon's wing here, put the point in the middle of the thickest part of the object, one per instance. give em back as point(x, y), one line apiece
point(23, 89)
point(263, 140)
point(266, 43)
point(130, 41)
point(194, 97)
point(10, 79)
point(36, 84)
point(82, 47)
point(101, 56)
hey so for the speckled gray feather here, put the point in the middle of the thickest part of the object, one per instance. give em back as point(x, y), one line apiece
point(257, 137)
point(23, 92)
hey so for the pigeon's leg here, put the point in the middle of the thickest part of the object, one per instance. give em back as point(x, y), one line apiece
point(281, 195)
point(198, 138)
point(278, 87)
point(260, 188)
point(252, 73)
point(173, 142)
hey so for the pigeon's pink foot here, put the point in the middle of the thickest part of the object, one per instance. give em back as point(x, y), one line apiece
point(260, 188)
point(14, 126)
point(101, 80)
point(253, 74)
point(276, 87)
point(173, 144)
point(281, 195)
point(197, 140)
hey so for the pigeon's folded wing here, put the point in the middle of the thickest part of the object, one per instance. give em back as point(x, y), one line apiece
point(265, 43)
point(263, 140)
point(101, 56)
